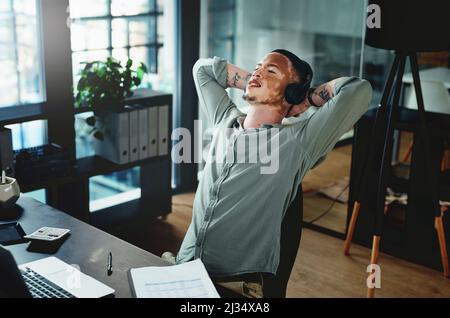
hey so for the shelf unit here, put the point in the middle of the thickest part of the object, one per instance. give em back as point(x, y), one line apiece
point(70, 192)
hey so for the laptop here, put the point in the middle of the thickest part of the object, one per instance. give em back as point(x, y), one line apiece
point(47, 278)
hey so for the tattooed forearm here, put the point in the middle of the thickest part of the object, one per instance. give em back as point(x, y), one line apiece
point(323, 94)
point(235, 81)
point(237, 77)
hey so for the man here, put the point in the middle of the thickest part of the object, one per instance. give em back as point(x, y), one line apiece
point(238, 210)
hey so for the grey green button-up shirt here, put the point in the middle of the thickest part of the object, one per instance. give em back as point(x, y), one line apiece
point(238, 209)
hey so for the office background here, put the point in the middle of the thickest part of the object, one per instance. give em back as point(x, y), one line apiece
point(40, 65)
point(168, 35)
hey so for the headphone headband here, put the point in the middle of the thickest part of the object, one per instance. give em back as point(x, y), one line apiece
point(296, 93)
point(302, 67)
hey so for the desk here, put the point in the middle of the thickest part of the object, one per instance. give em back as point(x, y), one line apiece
point(88, 247)
point(438, 74)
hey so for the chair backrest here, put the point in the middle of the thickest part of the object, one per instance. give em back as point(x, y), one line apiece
point(291, 231)
point(435, 96)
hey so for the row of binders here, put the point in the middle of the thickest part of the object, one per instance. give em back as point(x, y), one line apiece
point(135, 133)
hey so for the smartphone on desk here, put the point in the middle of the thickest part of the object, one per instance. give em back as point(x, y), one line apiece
point(11, 233)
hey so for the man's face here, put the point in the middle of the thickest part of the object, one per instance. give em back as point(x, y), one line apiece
point(269, 80)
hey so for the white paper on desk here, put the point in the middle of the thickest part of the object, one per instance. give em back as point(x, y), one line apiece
point(187, 280)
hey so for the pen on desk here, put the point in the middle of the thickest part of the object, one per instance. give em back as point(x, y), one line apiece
point(110, 266)
point(3, 177)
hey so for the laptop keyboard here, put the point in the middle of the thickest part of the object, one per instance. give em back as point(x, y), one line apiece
point(41, 287)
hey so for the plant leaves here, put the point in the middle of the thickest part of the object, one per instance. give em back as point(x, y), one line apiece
point(101, 72)
point(87, 67)
point(140, 73)
point(137, 81)
point(103, 85)
point(129, 63)
point(143, 67)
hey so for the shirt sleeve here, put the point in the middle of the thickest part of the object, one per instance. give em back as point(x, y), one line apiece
point(210, 77)
point(351, 100)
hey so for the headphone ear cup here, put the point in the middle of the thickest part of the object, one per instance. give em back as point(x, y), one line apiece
point(295, 93)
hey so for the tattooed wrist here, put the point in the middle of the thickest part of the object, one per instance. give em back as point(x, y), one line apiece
point(323, 94)
point(238, 81)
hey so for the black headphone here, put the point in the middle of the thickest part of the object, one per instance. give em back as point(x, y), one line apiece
point(296, 93)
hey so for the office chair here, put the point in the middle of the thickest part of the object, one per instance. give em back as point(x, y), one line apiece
point(437, 99)
point(435, 96)
point(444, 199)
point(291, 230)
point(444, 196)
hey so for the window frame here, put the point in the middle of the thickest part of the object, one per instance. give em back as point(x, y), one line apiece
point(58, 105)
point(109, 17)
point(39, 47)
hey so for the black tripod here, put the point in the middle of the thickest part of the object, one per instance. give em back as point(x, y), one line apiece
point(382, 134)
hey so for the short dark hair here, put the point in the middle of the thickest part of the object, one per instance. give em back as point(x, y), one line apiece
point(303, 69)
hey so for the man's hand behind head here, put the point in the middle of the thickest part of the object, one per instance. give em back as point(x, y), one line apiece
point(319, 97)
point(299, 108)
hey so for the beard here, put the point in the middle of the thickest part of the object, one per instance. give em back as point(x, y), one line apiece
point(249, 99)
point(269, 100)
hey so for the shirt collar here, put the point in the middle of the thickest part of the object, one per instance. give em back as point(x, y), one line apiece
point(239, 124)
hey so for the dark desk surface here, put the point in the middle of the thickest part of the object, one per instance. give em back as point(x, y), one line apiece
point(87, 247)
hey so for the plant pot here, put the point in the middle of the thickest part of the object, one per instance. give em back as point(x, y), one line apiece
point(9, 193)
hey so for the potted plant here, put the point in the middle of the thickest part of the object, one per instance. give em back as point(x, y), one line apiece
point(104, 86)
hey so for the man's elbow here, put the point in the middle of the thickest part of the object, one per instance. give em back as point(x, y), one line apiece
point(366, 90)
point(199, 65)
point(363, 94)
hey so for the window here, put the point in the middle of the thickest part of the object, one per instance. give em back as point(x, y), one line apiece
point(222, 24)
point(21, 67)
point(20, 59)
point(121, 29)
point(332, 44)
point(23, 136)
point(118, 28)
